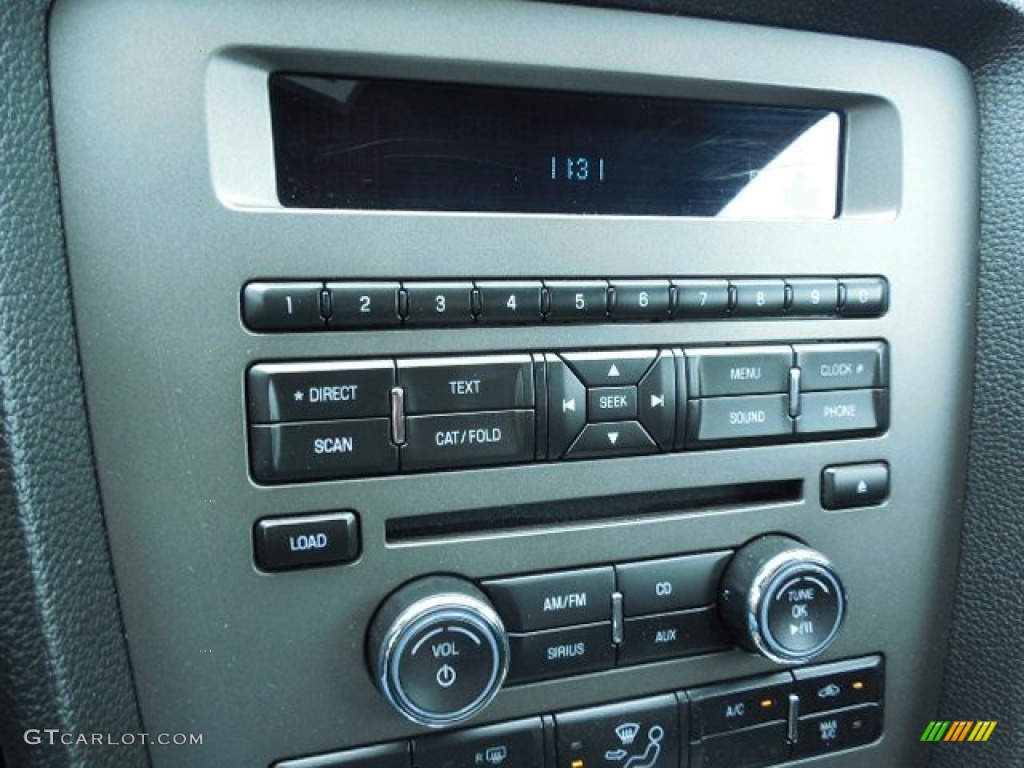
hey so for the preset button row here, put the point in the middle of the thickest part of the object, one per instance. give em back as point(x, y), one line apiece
point(326, 305)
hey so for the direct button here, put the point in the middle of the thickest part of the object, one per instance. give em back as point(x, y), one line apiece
point(659, 586)
point(611, 403)
point(315, 391)
point(443, 385)
point(546, 600)
point(841, 366)
point(301, 542)
point(731, 706)
point(468, 439)
point(321, 450)
point(738, 371)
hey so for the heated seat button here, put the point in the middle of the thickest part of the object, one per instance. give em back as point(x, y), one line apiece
point(726, 419)
point(457, 440)
point(671, 635)
point(443, 385)
point(643, 733)
point(439, 303)
point(316, 391)
point(518, 744)
point(321, 450)
point(855, 365)
point(560, 652)
point(613, 438)
point(282, 306)
point(300, 542)
point(751, 748)
point(732, 706)
point(841, 684)
point(812, 297)
point(671, 584)
point(611, 369)
point(656, 401)
point(380, 756)
point(842, 729)
point(567, 406)
point(363, 305)
point(577, 300)
point(738, 371)
point(558, 599)
point(854, 485)
point(865, 296)
point(505, 302)
point(843, 411)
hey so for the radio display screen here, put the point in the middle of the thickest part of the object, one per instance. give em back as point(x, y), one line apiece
point(375, 144)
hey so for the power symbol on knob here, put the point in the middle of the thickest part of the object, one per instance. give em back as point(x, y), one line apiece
point(446, 676)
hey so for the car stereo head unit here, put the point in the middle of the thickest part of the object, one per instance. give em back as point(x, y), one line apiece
point(461, 396)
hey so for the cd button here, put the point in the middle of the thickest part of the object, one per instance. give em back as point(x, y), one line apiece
point(321, 450)
point(467, 384)
point(658, 586)
point(612, 438)
point(439, 303)
point(456, 440)
point(640, 300)
point(363, 305)
point(578, 300)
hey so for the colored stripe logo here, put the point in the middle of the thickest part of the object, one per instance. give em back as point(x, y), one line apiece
point(958, 730)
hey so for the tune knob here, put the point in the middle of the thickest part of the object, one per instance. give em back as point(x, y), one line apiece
point(782, 599)
point(438, 651)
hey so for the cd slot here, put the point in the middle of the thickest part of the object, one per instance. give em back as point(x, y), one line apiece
point(583, 511)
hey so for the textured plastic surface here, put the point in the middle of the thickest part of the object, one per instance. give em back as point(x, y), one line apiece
point(164, 151)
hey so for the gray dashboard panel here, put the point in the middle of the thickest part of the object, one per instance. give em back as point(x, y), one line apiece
point(164, 153)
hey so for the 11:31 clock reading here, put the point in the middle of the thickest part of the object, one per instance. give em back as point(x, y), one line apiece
point(577, 168)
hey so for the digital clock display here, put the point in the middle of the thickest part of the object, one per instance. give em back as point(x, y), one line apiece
point(372, 144)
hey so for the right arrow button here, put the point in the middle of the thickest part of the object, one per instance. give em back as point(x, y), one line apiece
point(657, 401)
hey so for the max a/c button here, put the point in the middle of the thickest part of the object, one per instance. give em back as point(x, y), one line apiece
point(301, 542)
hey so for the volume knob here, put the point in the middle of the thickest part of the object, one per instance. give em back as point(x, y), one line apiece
point(438, 651)
point(782, 599)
